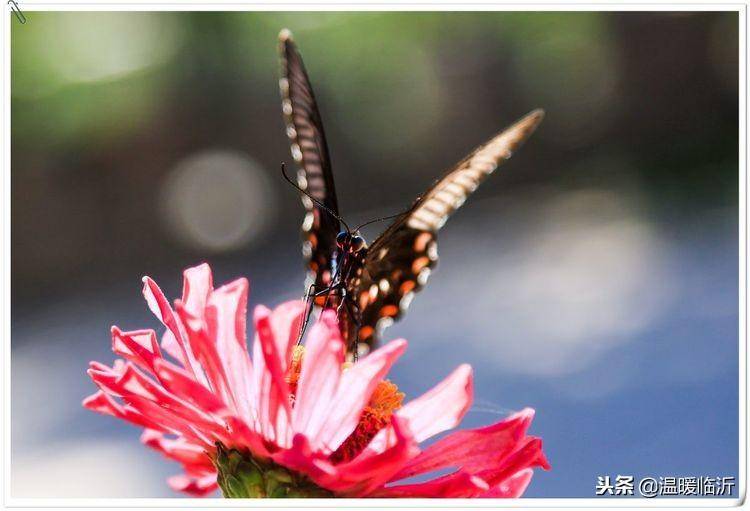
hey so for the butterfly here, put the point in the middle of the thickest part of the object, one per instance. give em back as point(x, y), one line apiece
point(371, 286)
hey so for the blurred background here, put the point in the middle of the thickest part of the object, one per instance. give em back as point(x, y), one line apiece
point(594, 278)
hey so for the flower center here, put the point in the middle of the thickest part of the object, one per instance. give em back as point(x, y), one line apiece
point(385, 400)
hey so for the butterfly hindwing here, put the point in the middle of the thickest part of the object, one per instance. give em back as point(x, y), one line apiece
point(392, 272)
point(399, 262)
point(310, 151)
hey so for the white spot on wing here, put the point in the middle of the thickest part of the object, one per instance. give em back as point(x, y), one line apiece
point(296, 153)
point(423, 276)
point(286, 107)
point(406, 301)
point(432, 252)
point(384, 285)
point(307, 223)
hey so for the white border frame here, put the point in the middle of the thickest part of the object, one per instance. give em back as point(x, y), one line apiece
point(339, 5)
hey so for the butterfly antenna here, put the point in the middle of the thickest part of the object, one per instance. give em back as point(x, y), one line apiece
point(380, 220)
point(316, 201)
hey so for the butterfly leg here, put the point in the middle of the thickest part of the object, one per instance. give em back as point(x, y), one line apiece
point(309, 299)
point(351, 310)
point(314, 292)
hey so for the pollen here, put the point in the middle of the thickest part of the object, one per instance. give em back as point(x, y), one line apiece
point(377, 414)
point(385, 400)
point(295, 367)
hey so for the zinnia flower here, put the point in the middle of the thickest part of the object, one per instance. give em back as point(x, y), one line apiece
point(296, 421)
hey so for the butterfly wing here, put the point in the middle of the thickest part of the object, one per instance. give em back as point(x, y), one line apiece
point(399, 261)
point(309, 149)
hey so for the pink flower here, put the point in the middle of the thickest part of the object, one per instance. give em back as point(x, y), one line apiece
point(296, 417)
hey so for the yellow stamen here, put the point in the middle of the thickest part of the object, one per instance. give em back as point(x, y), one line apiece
point(376, 415)
point(295, 366)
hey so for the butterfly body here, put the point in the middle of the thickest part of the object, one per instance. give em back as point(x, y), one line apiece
point(370, 287)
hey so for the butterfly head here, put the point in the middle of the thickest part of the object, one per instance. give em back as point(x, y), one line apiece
point(349, 242)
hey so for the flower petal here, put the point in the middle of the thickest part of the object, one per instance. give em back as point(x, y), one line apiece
point(225, 320)
point(172, 348)
point(370, 470)
point(159, 305)
point(442, 407)
point(180, 383)
point(319, 377)
point(354, 391)
point(138, 346)
point(529, 455)
point(176, 449)
point(472, 449)
point(300, 458)
point(241, 437)
point(457, 485)
point(511, 488)
point(286, 320)
point(101, 402)
point(197, 285)
point(153, 400)
point(272, 397)
point(196, 486)
point(205, 350)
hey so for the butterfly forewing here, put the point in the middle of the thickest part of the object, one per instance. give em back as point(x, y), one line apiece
point(309, 149)
point(399, 262)
point(448, 194)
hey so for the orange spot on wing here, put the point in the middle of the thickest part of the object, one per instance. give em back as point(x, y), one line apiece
point(421, 241)
point(364, 299)
point(366, 332)
point(388, 311)
point(420, 263)
point(407, 286)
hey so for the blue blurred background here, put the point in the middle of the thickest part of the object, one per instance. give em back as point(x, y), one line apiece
point(594, 278)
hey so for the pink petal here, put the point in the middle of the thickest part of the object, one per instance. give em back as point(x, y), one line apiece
point(512, 488)
point(159, 305)
point(206, 353)
point(197, 284)
point(370, 469)
point(354, 391)
point(172, 348)
point(138, 346)
point(529, 455)
point(225, 319)
point(300, 458)
point(456, 485)
point(319, 377)
point(139, 390)
point(286, 320)
point(102, 403)
point(274, 409)
point(177, 449)
point(196, 433)
point(442, 407)
point(472, 449)
point(195, 486)
point(241, 436)
point(181, 383)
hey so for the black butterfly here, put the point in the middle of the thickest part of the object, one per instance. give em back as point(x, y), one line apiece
point(372, 286)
